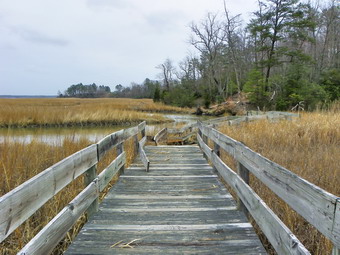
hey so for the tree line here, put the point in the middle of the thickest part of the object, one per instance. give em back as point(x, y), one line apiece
point(288, 54)
point(145, 90)
point(86, 91)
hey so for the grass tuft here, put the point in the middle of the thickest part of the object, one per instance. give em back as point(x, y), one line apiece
point(21, 161)
point(309, 147)
point(67, 112)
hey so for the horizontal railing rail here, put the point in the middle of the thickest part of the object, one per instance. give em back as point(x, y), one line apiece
point(19, 204)
point(160, 135)
point(317, 206)
point(184, 133)
point(235, 120)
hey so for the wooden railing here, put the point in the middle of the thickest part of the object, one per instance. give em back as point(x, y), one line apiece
point(183, 133)
point(20, 203)
point(235, 120)
point(318, 207)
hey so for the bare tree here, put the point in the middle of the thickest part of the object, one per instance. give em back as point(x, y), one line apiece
point(208, 37)
point(168, 71)
point(232, 29)
point(190, 72)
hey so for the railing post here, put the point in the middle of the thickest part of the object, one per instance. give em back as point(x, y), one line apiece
point(143, 132)
point(217, 149)
point(135, 144)
point(89, 176)
point(120, 149)
point(199, 132)
point(205, 140)
point(243, 172)
point(335, 251)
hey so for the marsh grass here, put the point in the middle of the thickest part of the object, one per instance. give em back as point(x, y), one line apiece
point(81, 112)
point(21, 161)
point(308, 146)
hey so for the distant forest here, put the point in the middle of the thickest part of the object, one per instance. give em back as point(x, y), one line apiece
point(288, 54)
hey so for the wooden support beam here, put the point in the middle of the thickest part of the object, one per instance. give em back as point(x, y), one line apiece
point(244, 174)
point(160, 135)
point(113, 169)
point(20, 203)
point(44, 242)
point(89, 176)
point(135, 144)
point(120, 150)
point(336, 251)
point(316, 205)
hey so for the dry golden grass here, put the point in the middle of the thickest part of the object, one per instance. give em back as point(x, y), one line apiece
point(81, 112)
point(19, 162)
point(308, 146)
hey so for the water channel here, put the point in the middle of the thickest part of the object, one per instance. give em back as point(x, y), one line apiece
point(93, 134)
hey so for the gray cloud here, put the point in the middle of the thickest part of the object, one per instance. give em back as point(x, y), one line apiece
point(118, 4)
point(38, 37)
point(165, 20)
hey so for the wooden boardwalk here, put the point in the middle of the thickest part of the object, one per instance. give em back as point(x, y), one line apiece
point(178, 207)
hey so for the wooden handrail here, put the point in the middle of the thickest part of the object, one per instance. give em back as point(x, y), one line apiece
point(19, 204)
point(235, 120)
point(319, 207)
point(165, 131)
point(160, 135)
point(142, 154)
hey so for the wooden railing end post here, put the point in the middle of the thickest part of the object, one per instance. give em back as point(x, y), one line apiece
point(90, 176)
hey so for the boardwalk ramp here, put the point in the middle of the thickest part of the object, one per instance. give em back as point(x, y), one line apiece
point(178, 207)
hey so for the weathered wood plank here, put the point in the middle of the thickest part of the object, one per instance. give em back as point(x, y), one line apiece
point(176, 209)
point(160, 135)
point(119, 203)
point(181, 227)
point(171, 237)
point(89, 176)
point(55, 230)
point(182, 130)
point(118, 137)
point(310, 201)
point(141, 126)
point(243, 173)
point(282, 239)
point(182, 138)
point(213, 241)
point(105, 145)
point(142, 142)
point(142, 154)
point(166, 177)
point(165, 211)
point(313, 203)
point(108, 173)
point(167, 196)
point(20, 203)
point(335, 251)
point(168, 217)
point(336, 226)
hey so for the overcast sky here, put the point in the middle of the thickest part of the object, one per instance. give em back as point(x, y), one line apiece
point(48, 45)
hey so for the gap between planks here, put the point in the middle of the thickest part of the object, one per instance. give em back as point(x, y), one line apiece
point(167, 176)
point(164, 209)
point(169, 227)
point(165, 197)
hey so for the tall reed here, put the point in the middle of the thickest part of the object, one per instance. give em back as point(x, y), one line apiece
point(20, 162)
point(308, 146)
point(81, 112)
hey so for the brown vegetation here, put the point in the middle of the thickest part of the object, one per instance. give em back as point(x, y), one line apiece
point(20, 162)
point(81, 112)
point(309, 147)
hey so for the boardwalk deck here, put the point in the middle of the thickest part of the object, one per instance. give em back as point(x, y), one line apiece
point(178, 207)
